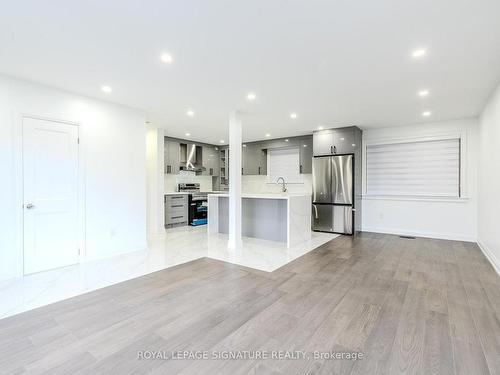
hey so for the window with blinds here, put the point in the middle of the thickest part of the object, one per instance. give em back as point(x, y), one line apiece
point(284, 162)
point(424, 168)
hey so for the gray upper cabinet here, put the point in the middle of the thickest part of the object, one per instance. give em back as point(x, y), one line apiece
point(211, 161)
point(246, 159)
point(254, 159)
point(172, 158)
point(337, 141)
point(306, 155)
point(345, 141)
point(262, 157)
point(324, 142)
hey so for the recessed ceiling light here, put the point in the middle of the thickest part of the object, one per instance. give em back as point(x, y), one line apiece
point(342, 139)
point(190, 113)
point(251, 96)
point(222, 141)
point(106, 89)
point(268, 135)
point(244, 145)
point(354, 145)
point(426, 113)
point(418, 53)
point(320, 128)
point(293, 115)
point(304, 145)
point(286, 140)
point(423, 93)
point(166, 58)
point(188, 134)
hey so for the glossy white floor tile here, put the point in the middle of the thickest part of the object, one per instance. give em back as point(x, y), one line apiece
point(179, 245)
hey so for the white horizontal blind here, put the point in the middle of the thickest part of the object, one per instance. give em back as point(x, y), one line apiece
point(424, 168)
point(284, 162)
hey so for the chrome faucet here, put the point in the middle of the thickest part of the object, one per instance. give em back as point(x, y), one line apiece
point(283, 188)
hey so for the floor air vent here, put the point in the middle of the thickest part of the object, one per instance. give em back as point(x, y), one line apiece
point(407, 237)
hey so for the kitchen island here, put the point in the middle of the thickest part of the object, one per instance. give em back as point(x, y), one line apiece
point(275, 217)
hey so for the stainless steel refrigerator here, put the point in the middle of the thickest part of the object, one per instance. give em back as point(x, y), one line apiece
point(333, 194)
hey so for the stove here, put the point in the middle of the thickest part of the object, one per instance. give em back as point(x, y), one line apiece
point(197, 203)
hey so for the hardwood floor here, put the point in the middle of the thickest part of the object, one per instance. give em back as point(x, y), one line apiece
point(418, 306)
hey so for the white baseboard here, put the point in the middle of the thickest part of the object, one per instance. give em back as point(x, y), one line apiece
point(441, 236)
point(495, 262)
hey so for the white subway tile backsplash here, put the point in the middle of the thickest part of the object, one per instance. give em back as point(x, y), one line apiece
point(259, 184)
point(172, 180)
point(249, 184)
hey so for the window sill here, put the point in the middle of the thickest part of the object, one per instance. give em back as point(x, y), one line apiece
point(410, 198)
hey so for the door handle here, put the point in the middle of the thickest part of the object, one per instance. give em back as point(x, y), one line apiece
point(30, 206)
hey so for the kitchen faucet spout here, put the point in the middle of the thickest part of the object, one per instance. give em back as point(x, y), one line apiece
point(283, 188)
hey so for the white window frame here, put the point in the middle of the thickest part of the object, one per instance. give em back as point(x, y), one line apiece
point(464, 190)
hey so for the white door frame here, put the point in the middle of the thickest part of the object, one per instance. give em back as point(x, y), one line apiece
point(19, 181)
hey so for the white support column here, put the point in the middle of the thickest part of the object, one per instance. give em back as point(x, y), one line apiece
point(155, 182)
point(234, 181)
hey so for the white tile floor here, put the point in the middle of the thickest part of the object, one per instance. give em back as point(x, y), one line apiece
point(179, 245)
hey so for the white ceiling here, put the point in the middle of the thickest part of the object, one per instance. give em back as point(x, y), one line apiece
point(334, 63)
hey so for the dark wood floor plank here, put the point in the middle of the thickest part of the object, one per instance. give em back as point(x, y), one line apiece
point(438, 354)
point(408, 348)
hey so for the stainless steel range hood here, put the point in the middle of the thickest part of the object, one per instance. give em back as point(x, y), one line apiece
point(191, 157)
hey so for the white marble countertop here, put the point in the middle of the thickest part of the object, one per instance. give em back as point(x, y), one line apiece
point(183, 192)
point(265, 195)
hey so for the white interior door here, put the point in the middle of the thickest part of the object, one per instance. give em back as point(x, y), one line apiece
point(50, 175)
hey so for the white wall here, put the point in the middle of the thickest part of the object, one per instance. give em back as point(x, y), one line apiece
point(113, 145)
point(489, 180)
point(438, 218)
